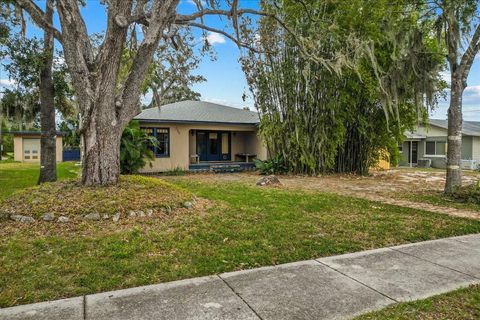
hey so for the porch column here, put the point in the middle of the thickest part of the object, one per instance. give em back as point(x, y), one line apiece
point(410, 154)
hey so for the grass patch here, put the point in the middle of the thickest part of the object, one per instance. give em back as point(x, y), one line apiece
point(68, 198)
point(245, 227)
point(437, 198)
point(18, 175)
point(463, 304)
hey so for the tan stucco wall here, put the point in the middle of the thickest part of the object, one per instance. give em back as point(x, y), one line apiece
point(18, 148)
point(183, 144)
point(59, 146)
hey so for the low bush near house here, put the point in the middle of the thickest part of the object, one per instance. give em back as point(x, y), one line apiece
point(175, 172)
point(135, 149)
point(274, 165)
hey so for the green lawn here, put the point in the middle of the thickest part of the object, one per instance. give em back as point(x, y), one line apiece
point(241, 226)
point(462, 304)
point(437, 198)
point(18, 175)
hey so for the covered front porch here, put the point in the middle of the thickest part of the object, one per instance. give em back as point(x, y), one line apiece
point(221, 166)
point(211, 150)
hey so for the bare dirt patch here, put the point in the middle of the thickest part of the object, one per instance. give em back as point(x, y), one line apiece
point(382, 186)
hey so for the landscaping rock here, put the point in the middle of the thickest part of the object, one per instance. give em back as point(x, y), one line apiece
point(167, 209)
point(268, 181)
point(106, 217)
point(48, 217)
point(188, 205)
point(140, 213)
point(63, 219)
point(116, 217)
point(4, 215)
point(149, 212)
point(20, 218)
point(93, 216)
point(132, 213)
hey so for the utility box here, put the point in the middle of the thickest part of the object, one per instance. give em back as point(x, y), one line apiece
point(424, 163)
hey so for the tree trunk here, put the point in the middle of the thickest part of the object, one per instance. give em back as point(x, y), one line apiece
point(48, 150)
point(101, 150)
point(454, 149)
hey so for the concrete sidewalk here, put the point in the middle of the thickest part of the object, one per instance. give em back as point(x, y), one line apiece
point(339, 287)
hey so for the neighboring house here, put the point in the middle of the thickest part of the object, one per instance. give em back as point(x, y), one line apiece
point(430, 143)
point(26, 146)
point(196, 135)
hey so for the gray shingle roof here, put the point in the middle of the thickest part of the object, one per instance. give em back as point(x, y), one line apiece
point(470, 128)
point(198, 111)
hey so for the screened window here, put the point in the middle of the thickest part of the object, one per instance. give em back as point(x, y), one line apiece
point(430, 147)
point(163, 138)
point(436, 148)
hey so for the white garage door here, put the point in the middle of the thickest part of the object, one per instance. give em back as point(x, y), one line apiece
point(31, 149)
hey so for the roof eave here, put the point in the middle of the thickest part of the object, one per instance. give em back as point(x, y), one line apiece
point(198, 122)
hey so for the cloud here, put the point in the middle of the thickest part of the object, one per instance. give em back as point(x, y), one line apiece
point(446, 76)
point(6, 83)
point(192, 2)
point(214, 38)
point(471, 95)
point(147, 98)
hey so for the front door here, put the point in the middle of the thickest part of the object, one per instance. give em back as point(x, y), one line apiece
point(31, 149)
point(213, 145)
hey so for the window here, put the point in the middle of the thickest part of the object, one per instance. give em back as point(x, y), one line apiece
point(225, 144)
point(213, 142)
point(430, 147)
point(400, 147)
point(435, 148)
point(163, 138)
point(441, 147)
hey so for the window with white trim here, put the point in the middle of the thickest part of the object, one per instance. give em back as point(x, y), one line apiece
point(435, 148)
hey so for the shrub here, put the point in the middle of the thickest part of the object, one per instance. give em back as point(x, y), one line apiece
point(469, 194)
point(274, 165)
point(175, 172)
point(135, 148)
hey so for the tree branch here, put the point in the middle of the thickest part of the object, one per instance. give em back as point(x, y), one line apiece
point(78, 52)
point(226, 34)
point(38, 16)
point(469, 55)
point(162, 12)
point(227, 13)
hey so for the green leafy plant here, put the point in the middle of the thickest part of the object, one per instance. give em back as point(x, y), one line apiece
point(177, 171)
point(135, 148)
point(274, 165)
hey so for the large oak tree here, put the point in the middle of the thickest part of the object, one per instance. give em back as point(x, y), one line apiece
point(106, 101)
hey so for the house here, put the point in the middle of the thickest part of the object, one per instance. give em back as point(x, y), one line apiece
point(199, 135)
point(26, 146)
point(427, 145)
